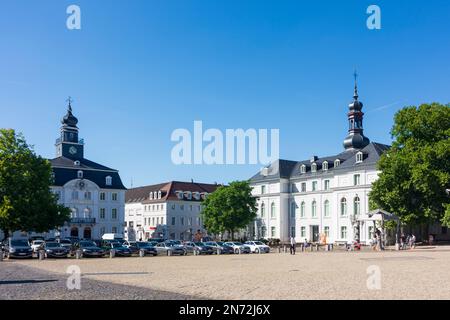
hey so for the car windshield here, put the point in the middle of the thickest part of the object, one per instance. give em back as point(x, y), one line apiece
point(38, 242)
point(211, 243)
point(52, 245)
point(141, 244)
point(237, 243)
point(87, 244)
point(116, 244)
point(19, 243)
point(65, 241)
point(259, 243)
point(200, 244)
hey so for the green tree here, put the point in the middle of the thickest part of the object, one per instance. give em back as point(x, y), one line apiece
point(229, 208)
point(26, 201)
point(415, 172)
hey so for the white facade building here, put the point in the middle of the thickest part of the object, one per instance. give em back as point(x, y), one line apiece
point(168, 210)
point(320, 196)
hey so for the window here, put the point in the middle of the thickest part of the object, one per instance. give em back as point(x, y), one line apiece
point(157, 221)
point(80, 174)
point(131, 224)
point(74, 213)
point(182, 221)
point(108, 181)
point(314, 167)
point(189, 221)
point(343, 232)
point(159, 194)
point(371, 232)
point(356, 206)
point(153, 221)
point(325, 166)
point(303, 232)
point(150, 195)
point(190, 207)
point(314, 186)
point(272, 210)
point(326, 208)
point(293, 210)
point(114, 196)
point(314, 209)
point(263, 189)
point(162, 220)
point(326, 230)
point(272, 232)
point(173, 206)
point(102, 213)
point(356, 179)
point(74, 195)
point(359, 157)
point(102, 196)
point(263, 232)
point(76, 163)
point(114, 214)
point(87, 195)
point(114, 229)
point(326, 185)
point(343, 207)
point(198, 221)
point(302, 209)
point(293, 232)
point(303, 169)
point(181, 206)
point(102, 231)
point(337, 163)
point(263, 210)
point(303, 186)
point(173, 221)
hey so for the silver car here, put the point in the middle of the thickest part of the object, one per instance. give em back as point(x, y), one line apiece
point(237, 246)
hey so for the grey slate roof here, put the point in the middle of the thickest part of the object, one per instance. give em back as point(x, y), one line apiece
point(65, 170)
point(291, 169)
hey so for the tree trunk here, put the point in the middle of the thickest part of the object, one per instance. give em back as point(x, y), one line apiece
point(232, 234)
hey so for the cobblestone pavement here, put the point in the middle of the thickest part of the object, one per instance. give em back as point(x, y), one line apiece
point(422, 273)
point(20, 282)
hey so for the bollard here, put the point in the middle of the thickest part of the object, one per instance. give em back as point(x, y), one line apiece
point(279, 249)
point(302, 247)
point(285, 249)
point(78, 254)
point(239, 251)
point(218, 251)
point(311, 247)
point(41, 254)
point(169, 252)
point(141, 253)
point(112, 253)
point(317, 247)
point(1, 255)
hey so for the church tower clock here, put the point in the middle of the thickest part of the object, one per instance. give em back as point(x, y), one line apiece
point(68, 145)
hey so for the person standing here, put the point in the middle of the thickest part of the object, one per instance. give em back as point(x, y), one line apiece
point(293, 243)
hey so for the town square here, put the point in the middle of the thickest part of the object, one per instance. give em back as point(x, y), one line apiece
point(216, 151)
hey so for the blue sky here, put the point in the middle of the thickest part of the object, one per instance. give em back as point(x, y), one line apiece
point(137, 70)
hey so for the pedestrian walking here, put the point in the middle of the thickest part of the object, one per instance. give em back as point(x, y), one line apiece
point(293, 243)
point(412, 241)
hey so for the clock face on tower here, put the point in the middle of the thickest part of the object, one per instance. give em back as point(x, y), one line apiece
point(72, 150)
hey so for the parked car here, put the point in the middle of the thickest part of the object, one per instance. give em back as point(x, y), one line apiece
point(56, 250)
point(18, 248)
point(66, 243)
point(147, 247)
point(165, 247)
point(257, 247)
point(238, 246)
point(90, 249)
point(224, 249)
point(37, 244)
point(203, 248)
point(120, 250)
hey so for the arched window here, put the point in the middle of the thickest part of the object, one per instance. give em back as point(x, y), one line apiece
point(314, 167)
point(293, 210)
point(337, 163)
point(303, 209)
point(356, 206)
point(314, 209)
point(359, 157)
point(272, 210)
point(326, 208)
point(74, 213)
point(263, 210)
point(87, 213)
point(343, 207)
point(108, 180)
point(80, 174)
point(303, 169)
point(325, 166)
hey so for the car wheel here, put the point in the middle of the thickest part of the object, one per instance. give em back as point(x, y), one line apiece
point(155, 254)
point(256, 250)
point(236, 251)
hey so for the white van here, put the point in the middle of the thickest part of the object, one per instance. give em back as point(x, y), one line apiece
point(113, 236)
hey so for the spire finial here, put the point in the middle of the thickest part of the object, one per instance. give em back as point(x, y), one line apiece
point(69, 101)
point(355, 75)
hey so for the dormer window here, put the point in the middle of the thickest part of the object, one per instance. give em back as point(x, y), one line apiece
point(80, 174)
point(150, 195)
point(108, 180)
point(76, 163)
point(303, 169)
point(180, 194)
point(359, 157)
point(155, 195)
point(159, 194)
point(337, 163)
point(189, 195)
point(325, 166)
point(314, 167)
point(196, 196)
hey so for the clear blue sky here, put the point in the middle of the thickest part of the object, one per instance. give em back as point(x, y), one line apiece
point(137, 70)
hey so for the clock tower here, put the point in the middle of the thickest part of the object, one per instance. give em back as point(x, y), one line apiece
point(68, 145)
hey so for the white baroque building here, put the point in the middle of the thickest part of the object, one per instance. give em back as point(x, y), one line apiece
point(168, 210)
point(321, 195)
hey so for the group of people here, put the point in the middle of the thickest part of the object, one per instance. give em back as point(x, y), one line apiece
point(407, 241)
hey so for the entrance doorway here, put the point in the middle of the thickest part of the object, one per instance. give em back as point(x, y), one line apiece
point(87, 233)
point(74, 232)
point(315, 233)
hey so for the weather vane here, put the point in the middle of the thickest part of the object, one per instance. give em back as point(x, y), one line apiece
point(70, 100)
